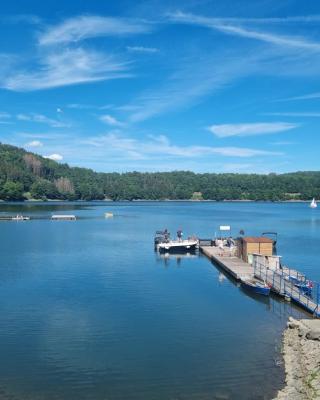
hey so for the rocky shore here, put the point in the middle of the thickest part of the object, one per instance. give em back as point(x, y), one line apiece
point(301, 353)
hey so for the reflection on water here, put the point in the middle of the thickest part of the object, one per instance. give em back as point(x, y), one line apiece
point(89, 311)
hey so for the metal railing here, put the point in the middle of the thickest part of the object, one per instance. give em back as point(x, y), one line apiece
point(291, 283)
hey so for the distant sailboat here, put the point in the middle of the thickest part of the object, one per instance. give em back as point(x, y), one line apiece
point(313, 204)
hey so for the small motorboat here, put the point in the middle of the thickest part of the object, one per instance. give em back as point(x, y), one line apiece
point(178, 245)
point(256, 286)
point(273, 236)
point(304, 285)
point(20, 217)
point(108, 215)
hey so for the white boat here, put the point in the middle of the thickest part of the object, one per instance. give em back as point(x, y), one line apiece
point(313, 204)
point(20, 217)
point(108, 215)
point(178, 245)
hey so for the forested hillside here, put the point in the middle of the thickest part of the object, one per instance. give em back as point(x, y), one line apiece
point(25, 175)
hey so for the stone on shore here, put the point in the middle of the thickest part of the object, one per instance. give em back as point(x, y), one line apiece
point(301, 353)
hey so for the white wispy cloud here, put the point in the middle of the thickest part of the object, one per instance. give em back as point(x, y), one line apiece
point(194, 79)
point(54, 157)
point(110, 120)
point(267, 20)
point(5, 118)
point(34, 143)
point(250, 129)
point(226, 27)
point(21, 18)
point(309, 96)
point(142, 49)
point(33, 117)
point(283, 143)
point(48, 136)
point(86, 26)
point(4, 115)
point(294, 114)
point(78, 106)
point(159, 146)
point(66, 67)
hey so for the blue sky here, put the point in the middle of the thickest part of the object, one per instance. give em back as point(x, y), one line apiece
point(207, 86)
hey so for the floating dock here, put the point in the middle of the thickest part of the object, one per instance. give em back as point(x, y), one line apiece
point(236, 267)
point(277, 279)
point(63, 217)
point(18, 217)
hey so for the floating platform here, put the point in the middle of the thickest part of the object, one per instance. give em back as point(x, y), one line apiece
point(236, 267)
point(63, 217)
point(14, 218)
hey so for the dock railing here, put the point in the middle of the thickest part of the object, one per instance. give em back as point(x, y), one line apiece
point(280, 281)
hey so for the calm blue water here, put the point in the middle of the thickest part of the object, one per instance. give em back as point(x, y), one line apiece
point(89, 311)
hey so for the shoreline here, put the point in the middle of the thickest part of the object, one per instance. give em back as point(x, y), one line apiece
point(150, 201)
point(301, 354)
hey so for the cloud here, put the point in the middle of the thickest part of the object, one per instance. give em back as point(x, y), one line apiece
point(34, 143)
point(226, 27)
point(159, 146)
point(77, 106)
point(86, 26)
point(54, 157)
point(195, 78)
point(294, 114)
point(21, 18)
point(283, 143)
point(142, 49)
point(250, 129)
point(309, 96)
point(47, 136)
point(4, 115)
point(4, 118)
point(110, 120)
point(66, 67)
point(32, 117)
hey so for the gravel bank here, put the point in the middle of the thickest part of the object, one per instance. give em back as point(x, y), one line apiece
point(301, 353)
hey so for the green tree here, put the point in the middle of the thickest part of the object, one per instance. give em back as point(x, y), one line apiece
point(12, 191)
point(44, 189)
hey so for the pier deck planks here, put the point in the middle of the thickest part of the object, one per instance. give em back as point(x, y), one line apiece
point(233, 265)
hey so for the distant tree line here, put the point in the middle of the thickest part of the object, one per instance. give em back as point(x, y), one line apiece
point(25, 175)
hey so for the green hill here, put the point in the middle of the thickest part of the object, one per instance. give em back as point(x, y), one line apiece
point(25, 175)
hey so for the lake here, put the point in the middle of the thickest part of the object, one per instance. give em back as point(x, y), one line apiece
point(90, 311)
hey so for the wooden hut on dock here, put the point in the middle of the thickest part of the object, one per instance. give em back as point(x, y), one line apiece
point(254, 245)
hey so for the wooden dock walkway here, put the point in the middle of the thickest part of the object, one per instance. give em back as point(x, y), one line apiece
point(236, 267)
point(281, 285)
point(277, 279)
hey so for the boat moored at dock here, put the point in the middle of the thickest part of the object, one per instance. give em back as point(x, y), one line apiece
point(178, 245)
point(256, 286)
point(163, 243)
